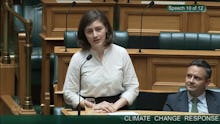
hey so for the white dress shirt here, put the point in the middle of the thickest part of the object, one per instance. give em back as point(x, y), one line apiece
point(201, 105)
point(112, 75)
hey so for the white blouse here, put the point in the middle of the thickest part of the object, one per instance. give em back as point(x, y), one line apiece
point(113, 75)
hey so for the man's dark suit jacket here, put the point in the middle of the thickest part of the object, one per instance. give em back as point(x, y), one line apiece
point(179, 102)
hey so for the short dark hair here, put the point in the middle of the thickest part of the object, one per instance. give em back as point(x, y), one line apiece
point(87, 19)
point(204, 64)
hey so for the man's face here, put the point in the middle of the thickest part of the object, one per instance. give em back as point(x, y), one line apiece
point(196, 81)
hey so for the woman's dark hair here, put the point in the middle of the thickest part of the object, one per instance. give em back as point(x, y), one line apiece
point(87, 19)
point(204, 64)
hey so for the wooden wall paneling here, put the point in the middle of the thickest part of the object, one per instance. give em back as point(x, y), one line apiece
point(62, 68)
point(141, 69)
point(194, 22)
point(210, 21)
point(155, 19)
point(165, 72)
point(215, 79)
point(204, 22)
point(54, 17)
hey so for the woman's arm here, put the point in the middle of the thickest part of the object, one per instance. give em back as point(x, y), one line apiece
point(106, 107)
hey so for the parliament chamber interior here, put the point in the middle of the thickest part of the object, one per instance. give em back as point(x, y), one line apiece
point(36, 47)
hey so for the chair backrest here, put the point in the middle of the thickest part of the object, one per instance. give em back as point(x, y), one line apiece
point(121, 38)
point(189, 41)
point(33, 11)
point(209, 88)
point(70, 39)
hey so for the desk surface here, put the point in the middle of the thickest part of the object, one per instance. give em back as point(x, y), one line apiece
point(216, 53)
point(137, 112)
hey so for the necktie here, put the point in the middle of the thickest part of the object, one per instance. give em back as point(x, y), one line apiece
point(194, 105)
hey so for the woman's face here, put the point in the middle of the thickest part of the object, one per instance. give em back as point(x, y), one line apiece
point(96, 34)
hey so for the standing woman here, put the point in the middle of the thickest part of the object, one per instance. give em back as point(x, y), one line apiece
point(101, 69)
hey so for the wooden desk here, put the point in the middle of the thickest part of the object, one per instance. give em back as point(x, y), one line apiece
point(139, 112)
point(156, 69)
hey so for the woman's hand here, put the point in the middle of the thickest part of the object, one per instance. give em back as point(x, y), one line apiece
point(104, 107)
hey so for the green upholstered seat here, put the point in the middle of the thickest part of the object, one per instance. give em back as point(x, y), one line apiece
point(189, 41)
point(120, 38)
point(215, 89)
point(70, 39)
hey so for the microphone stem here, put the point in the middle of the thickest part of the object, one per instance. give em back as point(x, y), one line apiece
point(87, 59)
point(142, 14)
point(141, 28)
point(79, 107)
point(67, 12)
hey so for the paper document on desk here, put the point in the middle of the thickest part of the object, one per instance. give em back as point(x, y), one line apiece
point(123, 113)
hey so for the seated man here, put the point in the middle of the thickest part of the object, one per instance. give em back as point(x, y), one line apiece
point(195, 98)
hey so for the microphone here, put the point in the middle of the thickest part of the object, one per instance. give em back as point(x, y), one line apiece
point(67, 13)
point(87, 59)
point(142, 14)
